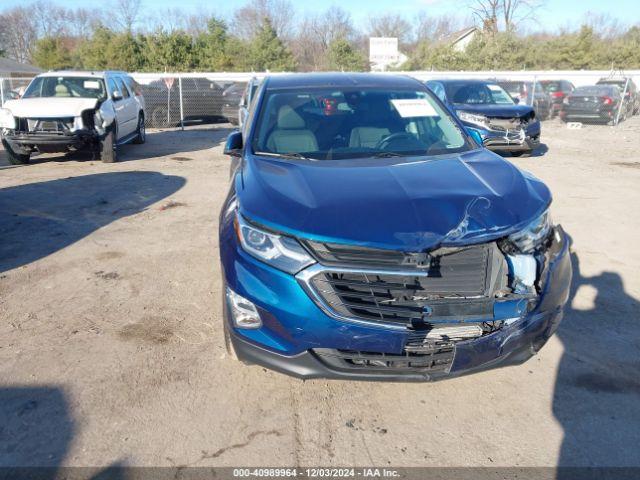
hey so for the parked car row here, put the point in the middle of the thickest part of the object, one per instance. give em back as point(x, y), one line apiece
point(610, 101)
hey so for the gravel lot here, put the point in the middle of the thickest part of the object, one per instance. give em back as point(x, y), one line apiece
point(112, 353)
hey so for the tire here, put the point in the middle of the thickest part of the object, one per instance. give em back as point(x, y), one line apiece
point(159, 117)
point(108, 152)
point(228, 344)
point(14, 157)
point(522, 154)
point(141, 133)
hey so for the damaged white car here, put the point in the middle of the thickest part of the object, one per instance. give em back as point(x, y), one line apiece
point(65, 111)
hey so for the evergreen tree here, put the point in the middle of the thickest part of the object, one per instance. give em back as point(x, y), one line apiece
point(211, 48)
point(166, 52)
point(91, 53)
point(52, 54)
point(342, 56)
point(268, 52)
point(126, 52)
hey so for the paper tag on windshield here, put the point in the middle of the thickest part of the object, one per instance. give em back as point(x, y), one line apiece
point(92, 84)
point(494, 88)
point(414, 107)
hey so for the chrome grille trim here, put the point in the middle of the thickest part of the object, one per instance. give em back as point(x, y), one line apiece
point(305, 276)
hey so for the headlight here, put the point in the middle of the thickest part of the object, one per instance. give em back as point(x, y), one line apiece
point(7, 120)
point(473, 118)
point(279, 251)
point(533, 235)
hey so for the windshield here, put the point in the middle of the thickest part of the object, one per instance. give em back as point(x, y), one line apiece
point(619, 84)
point(80, 87)
point(478, 94)
point(327, 124)
point(551, 87)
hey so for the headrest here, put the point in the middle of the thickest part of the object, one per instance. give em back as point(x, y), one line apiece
point(61, 90)
point(288, 119)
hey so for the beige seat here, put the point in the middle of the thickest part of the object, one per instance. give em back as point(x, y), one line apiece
point(367, 137)
point(62, 91)
point(291, 134)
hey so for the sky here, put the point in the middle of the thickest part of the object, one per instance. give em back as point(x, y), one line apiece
point(552, 15)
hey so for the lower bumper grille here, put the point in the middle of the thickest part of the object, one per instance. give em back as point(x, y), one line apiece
point(439, 360)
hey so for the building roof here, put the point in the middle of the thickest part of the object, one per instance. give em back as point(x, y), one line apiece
point(9, 66)
point(337, 79)
point(455, 37)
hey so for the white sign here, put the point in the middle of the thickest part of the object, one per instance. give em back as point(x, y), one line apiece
point(414, 107)
point(92, 84)
point(383, 50)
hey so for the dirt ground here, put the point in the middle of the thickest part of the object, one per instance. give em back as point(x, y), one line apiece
point(111, 346)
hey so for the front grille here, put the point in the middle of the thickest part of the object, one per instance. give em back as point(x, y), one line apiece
point(53, 125)
point(437, 360)
point(454, 285)
point(505, 124)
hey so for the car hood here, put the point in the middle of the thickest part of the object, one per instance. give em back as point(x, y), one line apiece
point(53, 107)
point(407, 204)
point(499, 111)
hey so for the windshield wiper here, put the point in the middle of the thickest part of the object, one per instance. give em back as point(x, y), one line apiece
point(387, 155)
point(296, 155)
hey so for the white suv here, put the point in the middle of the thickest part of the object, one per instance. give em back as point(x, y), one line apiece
point(65, 111)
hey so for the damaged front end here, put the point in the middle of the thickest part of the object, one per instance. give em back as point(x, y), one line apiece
point(32, 134)
point(512, 134)
point(392, 315)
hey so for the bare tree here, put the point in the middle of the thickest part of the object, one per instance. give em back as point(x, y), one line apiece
point(127, 13)
point(487, 13)
point(316, 33)
point(432, 29)
point(19, 33)
point(604, 25)
point(507, 14)
point(249, 19)
point(516, 12)
point(390, 25)
point(82, 22)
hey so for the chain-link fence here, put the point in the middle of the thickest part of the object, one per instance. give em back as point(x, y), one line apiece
point(177, 99)
point(173, 101)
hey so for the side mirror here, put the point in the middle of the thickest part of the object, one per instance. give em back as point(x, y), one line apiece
point(476, 136)
point(233, 147)
point(516, 100)
point(116, 95)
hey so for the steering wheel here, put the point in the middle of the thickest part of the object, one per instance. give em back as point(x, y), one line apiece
point(401, 140)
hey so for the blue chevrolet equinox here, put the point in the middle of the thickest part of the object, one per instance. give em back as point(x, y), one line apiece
point(368, 235)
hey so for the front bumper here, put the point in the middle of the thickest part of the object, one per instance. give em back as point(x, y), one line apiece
point(50, 142)
point(296, 333)
point(522, 140)
point(581, 114)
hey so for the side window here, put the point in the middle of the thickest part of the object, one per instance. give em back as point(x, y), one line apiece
point(438, 89)
point(123, 87)
point(112, 87)
point(133, 86)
